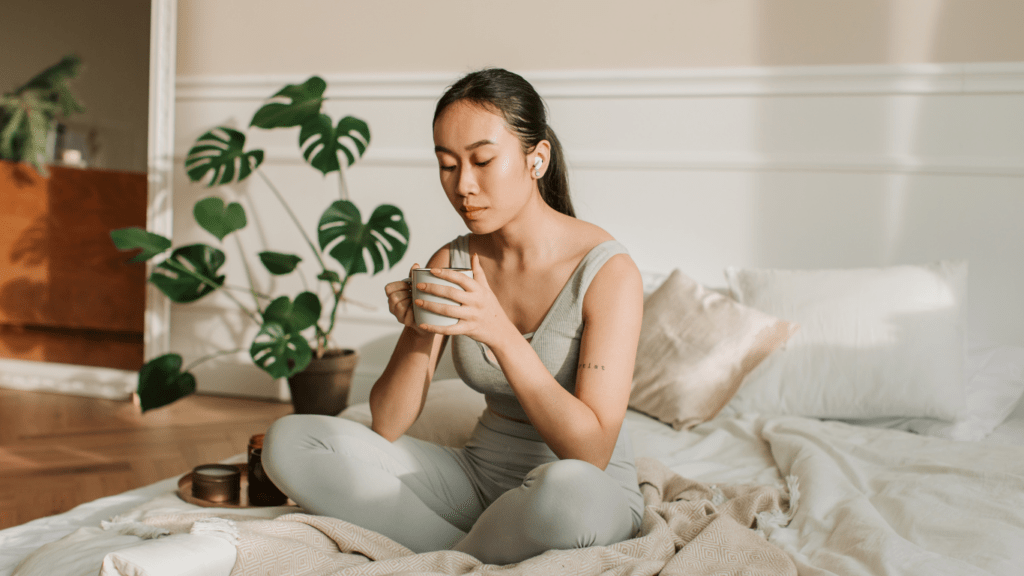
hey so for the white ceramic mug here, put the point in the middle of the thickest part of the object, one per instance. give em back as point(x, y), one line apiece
point(423, 275)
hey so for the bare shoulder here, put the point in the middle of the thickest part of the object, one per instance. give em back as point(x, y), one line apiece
point(617, 284)
point(589, 234)
point(441, 258)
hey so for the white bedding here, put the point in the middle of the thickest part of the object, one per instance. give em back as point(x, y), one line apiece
point(873, 501)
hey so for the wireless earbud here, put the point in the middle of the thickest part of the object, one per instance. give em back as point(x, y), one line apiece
point(536, 166)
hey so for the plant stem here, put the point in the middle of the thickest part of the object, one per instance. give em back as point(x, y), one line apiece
point(248, 273)
point(245, 289)
point(213, 285)
point(342, 185)
point(211, 357)
point(293, 217)
point(334, 310)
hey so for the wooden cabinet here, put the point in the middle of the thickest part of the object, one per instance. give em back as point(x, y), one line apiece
point(66, 294)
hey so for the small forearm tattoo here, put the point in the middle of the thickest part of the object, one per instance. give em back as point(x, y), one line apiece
point(590, 366)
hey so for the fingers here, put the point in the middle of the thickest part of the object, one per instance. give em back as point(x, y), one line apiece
point(447, 292)
point(457, 278)
point(478, 270)
point(450, 310)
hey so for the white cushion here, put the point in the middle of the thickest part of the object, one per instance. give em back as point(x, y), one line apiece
point(449, 414)
point(874, 342)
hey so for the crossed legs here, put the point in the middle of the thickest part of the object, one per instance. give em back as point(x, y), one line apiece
point(423, 496)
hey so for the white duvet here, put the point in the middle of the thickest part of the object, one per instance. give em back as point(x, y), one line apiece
point(872, 501)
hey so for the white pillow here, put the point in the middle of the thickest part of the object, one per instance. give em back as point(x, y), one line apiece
point(994, 385)
point(873, 343)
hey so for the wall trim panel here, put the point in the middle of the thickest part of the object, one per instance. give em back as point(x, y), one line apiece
point(970, 78)
point(624, 160)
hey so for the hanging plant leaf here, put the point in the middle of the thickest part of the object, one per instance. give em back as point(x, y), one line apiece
point(321, 142)
point(329, 276)
point(279, 352)
point(278, 263)
point(135, 238)
point(187, 275)
point(222, 152)
point(385, 235)
point(305, 104)
point(218, 219)
point(161, 382)
point(294, 316)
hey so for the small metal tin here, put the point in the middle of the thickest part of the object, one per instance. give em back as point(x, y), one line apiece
point(217, 482)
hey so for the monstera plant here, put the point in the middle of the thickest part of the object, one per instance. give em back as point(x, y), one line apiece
point(27, 114)
point(293, 330)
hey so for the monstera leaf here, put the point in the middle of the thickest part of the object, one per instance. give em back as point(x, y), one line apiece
point(278, 263)
point(305, 104)
point(294, 316)
point(187, 275)
point(161, 382)
point(135, 238)
point(279, 352)
point(218, 219)
point(321, 142)
point(342, 232)
point(222, 152)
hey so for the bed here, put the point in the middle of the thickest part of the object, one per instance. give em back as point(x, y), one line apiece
point(877, 433)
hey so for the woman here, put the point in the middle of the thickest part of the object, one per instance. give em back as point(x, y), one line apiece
point(547, 329)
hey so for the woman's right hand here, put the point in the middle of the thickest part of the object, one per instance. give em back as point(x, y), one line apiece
point(400, 302)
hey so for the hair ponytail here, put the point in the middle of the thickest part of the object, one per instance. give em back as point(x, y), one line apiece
point(554, 186)
point(525, 114)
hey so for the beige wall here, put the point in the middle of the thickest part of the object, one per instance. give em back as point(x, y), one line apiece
point(112, 38)
point(324, 36)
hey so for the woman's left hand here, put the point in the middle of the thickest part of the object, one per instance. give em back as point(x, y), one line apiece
point(480, 315)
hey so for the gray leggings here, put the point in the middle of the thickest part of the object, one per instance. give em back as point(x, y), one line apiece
point(503, 498)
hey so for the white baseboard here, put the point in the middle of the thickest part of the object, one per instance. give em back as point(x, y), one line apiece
point(89, 381)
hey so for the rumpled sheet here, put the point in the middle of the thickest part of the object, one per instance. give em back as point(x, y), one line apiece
point(885, 502)
point(688, 528)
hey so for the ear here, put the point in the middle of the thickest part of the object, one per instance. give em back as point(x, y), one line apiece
point(538, 158)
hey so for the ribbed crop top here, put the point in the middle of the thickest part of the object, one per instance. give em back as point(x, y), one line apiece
point(556, 340)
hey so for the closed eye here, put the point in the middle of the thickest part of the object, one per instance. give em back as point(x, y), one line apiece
point(484, 163)
point(447, 168)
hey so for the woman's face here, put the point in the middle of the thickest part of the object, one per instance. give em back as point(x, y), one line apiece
point(483, 169)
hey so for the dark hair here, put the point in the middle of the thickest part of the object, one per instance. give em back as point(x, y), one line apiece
point(524, 113)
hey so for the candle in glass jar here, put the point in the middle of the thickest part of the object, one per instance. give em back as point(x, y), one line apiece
point(217, 482)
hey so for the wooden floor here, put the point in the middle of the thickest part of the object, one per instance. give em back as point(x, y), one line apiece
point(58, 451)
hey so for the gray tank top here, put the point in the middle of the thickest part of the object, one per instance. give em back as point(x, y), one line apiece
point(556, 340)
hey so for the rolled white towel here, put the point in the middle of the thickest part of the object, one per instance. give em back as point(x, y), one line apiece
point(205, 554)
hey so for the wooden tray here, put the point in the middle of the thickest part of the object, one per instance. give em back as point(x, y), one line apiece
point(185, 493)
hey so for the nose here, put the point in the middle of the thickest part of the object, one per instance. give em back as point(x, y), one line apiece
point(466, 183)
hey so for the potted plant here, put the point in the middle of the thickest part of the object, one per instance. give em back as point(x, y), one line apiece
point(28, 114)
point(294, 337)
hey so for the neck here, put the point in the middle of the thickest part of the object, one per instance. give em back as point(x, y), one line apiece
point(519, 242)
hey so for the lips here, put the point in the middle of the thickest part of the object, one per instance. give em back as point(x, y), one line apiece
point(472, 212)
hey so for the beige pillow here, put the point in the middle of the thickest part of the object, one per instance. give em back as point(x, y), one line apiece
point(696, 346)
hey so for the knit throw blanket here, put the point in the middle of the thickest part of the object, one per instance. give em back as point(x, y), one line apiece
point(688, 528)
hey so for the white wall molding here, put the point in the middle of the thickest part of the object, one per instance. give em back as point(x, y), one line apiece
point(67, 379)
point(971, 78)
point(159, 214)
point(627, 160)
